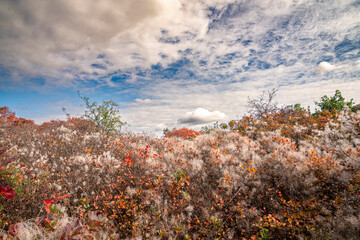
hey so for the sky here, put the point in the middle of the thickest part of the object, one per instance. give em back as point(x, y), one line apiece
point(174, 63)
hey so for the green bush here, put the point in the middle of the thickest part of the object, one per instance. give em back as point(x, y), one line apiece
point(105, 116)
point(336, 102)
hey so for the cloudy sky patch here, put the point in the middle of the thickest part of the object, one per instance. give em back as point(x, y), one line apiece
point(162, 58)
point(201, 116)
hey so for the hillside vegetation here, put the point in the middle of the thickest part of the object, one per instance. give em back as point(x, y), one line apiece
point(285, 174)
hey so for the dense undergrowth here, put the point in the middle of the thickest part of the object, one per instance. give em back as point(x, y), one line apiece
point(290, 175)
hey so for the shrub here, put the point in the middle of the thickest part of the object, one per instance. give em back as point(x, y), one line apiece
point(5, 190)
point(336, 102)
point(184, 133)
point(8, 116)
point(105, 116)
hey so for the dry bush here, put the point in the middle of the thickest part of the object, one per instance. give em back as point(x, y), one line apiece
point(258, 180)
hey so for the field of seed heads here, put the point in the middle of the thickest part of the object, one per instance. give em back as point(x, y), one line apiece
point(270, 179)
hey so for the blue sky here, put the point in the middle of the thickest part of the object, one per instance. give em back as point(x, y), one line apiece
point(175, 63)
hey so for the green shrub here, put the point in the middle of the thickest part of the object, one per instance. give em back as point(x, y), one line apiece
point(105, 116)
point(336, 102)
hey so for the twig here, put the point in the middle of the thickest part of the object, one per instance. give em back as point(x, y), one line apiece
point(227, 216)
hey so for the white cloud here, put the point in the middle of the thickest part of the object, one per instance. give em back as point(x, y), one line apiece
point(202, 115)
point(325, 67)
point(160, 127)
point(62, 40)
point(67, 36)
point(144, 101)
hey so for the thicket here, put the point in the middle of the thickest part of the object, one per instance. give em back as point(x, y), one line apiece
point(286, 174)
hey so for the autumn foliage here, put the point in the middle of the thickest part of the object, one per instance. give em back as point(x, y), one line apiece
point(183, 133)
point(286, 175)
point(8, 116)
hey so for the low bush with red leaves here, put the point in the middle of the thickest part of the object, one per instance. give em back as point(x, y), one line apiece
point(183, 133)
point(5, 190)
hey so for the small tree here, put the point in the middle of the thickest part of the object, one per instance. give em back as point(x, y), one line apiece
point(105, 116)
point(336, 102)
point(263, 105)
point(165, 131)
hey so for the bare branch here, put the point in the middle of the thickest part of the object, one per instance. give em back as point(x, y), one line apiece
point(264, 104)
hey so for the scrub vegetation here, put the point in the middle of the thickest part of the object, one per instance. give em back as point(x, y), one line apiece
point(280, 173)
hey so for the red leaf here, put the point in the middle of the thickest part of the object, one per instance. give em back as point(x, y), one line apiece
point(47, 201)
point(47, 208)
point(13, 229)
point(8, 192)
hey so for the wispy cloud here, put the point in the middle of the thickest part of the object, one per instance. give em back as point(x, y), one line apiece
point(143, 101)
point(70, 43)
point(173, 56)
